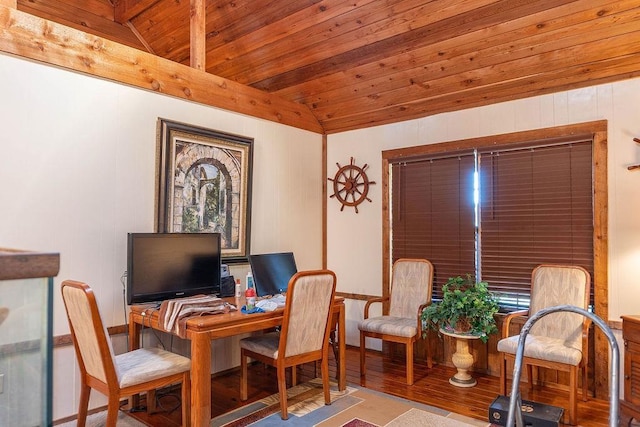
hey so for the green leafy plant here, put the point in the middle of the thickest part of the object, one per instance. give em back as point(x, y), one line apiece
point(467, 307)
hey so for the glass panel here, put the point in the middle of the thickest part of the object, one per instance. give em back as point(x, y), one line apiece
point(25, 352)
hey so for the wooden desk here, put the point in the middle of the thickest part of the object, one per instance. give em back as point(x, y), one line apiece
point(201, 330)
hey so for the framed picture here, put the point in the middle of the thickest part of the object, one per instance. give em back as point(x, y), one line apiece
point(204, 185)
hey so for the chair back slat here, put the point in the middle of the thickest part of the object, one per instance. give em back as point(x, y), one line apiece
point(553, 285)
point(411, 285)
point(88, 331)
point(307, 313)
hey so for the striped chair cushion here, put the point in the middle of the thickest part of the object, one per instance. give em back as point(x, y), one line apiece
point(148, 364)
point(390, 325)
point(544, 348)
point(266, 345)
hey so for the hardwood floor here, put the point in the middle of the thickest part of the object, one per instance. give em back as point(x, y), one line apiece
point(385, 374)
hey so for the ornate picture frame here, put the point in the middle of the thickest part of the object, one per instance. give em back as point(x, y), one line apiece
point(203, 185)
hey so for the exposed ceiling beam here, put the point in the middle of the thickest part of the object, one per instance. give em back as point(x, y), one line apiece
point(365, 63)
point(45, 41)
point(126, 9)
point(135, 32)
point(198, 48)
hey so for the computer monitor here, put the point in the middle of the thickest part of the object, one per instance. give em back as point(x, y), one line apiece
point(271, 272)
point(172, 265)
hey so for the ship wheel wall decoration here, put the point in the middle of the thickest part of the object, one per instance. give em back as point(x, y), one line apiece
point(351, 185)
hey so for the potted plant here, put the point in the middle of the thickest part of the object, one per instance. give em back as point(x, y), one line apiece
point(467, 307)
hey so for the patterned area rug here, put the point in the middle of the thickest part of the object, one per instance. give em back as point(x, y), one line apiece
point(355, 407)
point(99, 420)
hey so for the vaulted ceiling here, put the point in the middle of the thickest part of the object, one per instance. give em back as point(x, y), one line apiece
point(361, 63)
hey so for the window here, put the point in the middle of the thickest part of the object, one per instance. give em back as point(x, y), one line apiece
point(536, 207)
point(433, 215)
point(532, 205)
point(595, 131)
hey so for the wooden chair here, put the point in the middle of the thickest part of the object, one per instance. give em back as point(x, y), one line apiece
point(304, 336)
point(116, 376)
point(559, 340)
point(411, 285)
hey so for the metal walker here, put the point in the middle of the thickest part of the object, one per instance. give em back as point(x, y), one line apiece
point(614, 395)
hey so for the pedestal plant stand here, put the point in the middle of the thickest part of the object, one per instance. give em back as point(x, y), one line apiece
point(462, 359)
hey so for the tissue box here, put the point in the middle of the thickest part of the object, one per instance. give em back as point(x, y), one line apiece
point(534, 414)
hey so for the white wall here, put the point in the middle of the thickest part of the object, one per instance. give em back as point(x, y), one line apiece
point(77, 169)
point(355, 240)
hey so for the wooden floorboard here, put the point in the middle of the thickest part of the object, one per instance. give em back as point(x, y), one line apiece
point(385, 374)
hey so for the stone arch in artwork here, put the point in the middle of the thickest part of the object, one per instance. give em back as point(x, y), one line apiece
point(189, 174)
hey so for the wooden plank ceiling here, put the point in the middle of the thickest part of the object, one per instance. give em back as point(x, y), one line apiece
point(361, 63)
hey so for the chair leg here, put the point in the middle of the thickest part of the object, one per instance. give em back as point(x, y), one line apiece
point(243, 376)
point(152, 407)
point(503, 376)
point(282, 389)
point(409, 363)
point(585, 388)
point(429, 352)
point(85, 392)
point(530, 375)
point(112, 410)
point(294, 375)
point(325, 380)
point(336, 347)
point(573, 398)
point(362, 355)
point(186, 399)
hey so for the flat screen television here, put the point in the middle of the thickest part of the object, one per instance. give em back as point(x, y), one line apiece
point(163, 266)
point(271, 272)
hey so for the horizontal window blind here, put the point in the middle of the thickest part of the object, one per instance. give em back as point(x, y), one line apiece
point(433, 215)
point(536, 207)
